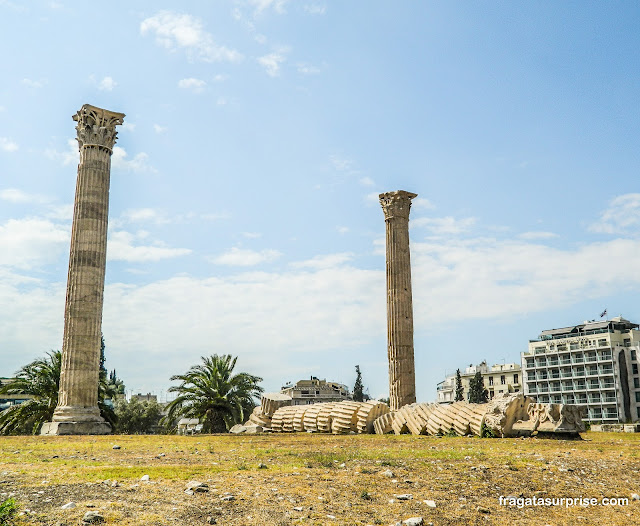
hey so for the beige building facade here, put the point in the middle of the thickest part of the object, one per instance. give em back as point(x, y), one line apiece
point(498, 379)
point(593, 364)
point(314, 391)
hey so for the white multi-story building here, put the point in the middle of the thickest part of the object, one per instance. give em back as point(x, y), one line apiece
point(594, 364)
point(498, 379)
point(314, 391)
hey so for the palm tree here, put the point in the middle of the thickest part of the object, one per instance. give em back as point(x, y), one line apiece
point(40, 380)
point(213, 394)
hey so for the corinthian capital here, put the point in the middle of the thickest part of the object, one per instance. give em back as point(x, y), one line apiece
point(396, 204)
point(97, 127)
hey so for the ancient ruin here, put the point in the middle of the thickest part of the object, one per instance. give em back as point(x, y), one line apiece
point(402, 381)
point(77, 412)
point(509, 415)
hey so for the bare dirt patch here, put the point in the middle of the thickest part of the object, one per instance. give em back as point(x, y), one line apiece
point(319, 479)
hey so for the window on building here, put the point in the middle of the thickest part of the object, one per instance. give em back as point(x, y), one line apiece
point(636, 382)
point(633, 355)
point(634, 368)
point(515, 378)
point(638, 397)
point(638, 411)
point(503, 379)
point(491, 380)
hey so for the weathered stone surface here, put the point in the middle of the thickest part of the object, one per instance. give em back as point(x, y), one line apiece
point(382, 424)
point(237, 429)
point(311, 418)
point(271, 402)
point(402, 384)
point(367, 414)
point(93, 517)
point(78, 390)
point(344, 417)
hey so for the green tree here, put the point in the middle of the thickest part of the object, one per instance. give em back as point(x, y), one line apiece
point(137, 418)
point(40, 380)
point(459, 388)
point(213, 394)
point(477, 393)
point(358, 394)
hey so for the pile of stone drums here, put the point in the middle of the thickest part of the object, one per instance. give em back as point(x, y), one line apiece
point(506, 415)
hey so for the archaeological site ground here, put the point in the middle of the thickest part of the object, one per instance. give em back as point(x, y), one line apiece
point(304, 478)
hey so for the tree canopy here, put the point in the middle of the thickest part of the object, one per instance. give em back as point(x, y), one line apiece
point(477, 393)
point(358, 391)
point(212, 393)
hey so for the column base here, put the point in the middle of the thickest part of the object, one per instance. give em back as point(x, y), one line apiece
point(76, 428)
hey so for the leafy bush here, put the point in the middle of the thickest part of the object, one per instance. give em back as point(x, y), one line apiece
point(8, 509)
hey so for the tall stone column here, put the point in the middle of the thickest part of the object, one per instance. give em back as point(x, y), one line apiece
point(77, 412)
point(402, 376)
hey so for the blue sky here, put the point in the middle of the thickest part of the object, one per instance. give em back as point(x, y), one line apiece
point(244, 215)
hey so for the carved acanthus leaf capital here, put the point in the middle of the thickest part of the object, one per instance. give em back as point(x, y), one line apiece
point(97, 127)
point(396, 204)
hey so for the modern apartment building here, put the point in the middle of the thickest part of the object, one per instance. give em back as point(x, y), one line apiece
point(7, 400)
point(594, 364)
point(498, 379)
point(314, 391)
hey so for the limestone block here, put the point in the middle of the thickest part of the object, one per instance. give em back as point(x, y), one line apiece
point(399, 422)
point(368, 413)
point(298, 418)
point(311, 417)
point(258, 418)
point(503, 411)
point(382, 424)
point(344, 417)
point(462, 418)
point(548, 418)
point(324, 418)
point(279, 417)
point(437, 420)
point(418, 417)
point(271, 402)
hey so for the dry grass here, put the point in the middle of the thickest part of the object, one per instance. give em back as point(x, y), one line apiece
point(306, 471)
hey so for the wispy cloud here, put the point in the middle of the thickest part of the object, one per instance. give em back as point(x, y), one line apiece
point(175, 31)
point(34, 84)
point(621, 215)
point(14, 195)
point(324, 261)
point(245, 257)
point(193, 84)
point(159, 129)
point(307, 69)
point(121, 247)
point(138, 164)
point(107, 84)
point(315, 9)
point(8, 145)
point(69, 156)
point(444, 225)
point(537, 235)
point(260, 6)
point(271, 63)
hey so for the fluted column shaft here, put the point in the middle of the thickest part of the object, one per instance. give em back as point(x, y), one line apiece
point(402, 382)
point(79, 377)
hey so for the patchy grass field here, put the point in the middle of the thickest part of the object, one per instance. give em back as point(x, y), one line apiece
point(319, 479)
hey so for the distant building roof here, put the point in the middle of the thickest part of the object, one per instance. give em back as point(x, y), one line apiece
point(617, 323)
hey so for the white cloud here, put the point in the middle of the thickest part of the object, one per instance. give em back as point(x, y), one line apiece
point(15, 195)
point(175, 31)
point(444, 225)
point(107, 84)
point(307, 69)
point(139, 163)
point(537, 235)
point(26, 243)
point(343, 229)
point(69, 156)
point(271, 63)
point(315, 9)
point(252, 235)
point(120, 247)
point(422, 203)
point(263, 5)
point(242, 257)
point(324, 261)
point(159, 129)
point(128, 126)
point(367, 181)
point(341, 164)
point(195, 85)
point(372, 198)
point(621, 216)
point(145, 215)
point(8, 145)
point(2, 108)
point(35, 84)
point(220, 77)
point(221, 101)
